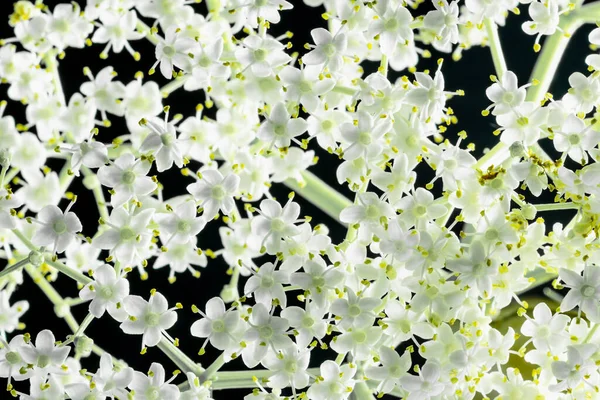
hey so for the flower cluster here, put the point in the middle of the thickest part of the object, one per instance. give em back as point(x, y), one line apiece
point(407, 301)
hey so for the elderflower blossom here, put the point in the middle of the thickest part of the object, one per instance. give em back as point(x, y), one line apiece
point(428, 291)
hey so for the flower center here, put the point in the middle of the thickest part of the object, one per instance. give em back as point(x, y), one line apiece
point(152, 393)
point(308, 322)
point(169, 51)
point(329, 50)
point(326, 125)
point(574, 139)
point(43, 361)
point(260, 54)
point(354, 310)
point(183, 226)
point(279, 130)
point(318, 281)
point(372, 212)
point(218, 193)
point(359, 336)
point(126, 233)
point(166, 139)
point(291, 366)
point(106, 292)
point(152, 319)
point(391, 24)
point(305, 86)
point(267, 282)
point(218, 326)
point(420, 210)
point(277, 224)
point(364, 138)
point(59, 226)
point(128, 177)
point(588, 291)
point(266, 332)
point(13, 357)
point(508, 97)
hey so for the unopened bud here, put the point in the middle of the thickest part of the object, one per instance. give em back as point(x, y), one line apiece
point(83, 346)
point(517, 150)
point(36, 258)
point(4, 158)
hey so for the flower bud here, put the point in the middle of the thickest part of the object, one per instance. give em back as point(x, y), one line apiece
point(229, 294)
point(529, 211)
point(517, 150)
point(36, 258)
point(4, 158)
point(83, 346)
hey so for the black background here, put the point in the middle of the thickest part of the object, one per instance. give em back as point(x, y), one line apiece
point(471, 74)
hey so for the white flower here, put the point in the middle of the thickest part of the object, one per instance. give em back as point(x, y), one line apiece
point(275, 223)
point(111, 379)
point(579, 363)
point(584, 93)
point(265, 9)
point(206, 66)
point(426, 384)
point(127, 237)
point(477, 269)
point(289, 366)
point(370, 210)
point(174, 50)
point(10, 314)
point(40, 190)
point(57, 229)
point(12, 364)
point(104, 91)
point(428, 94)
point(545, 18)
point(444, 22)
point(77, 119)
point(354, 311)
point(261, 55)
point(279, 128)
point(575, 139)
point(337, 382)
point(419, 208)
point(153, 386)
point(318, 279)
point(547, 331)
point(163, 143)
point(215, 192)
point(364, 139)
point(307, 324)
point(267, 285)
point(67, 27)
point(223, 328)
point(148, 318)
point(266, 333)
point(584, 291)
point(393, 368)
point(45, 114)
point(127, 177)
point(29, 153)
point(106, 292)
point(117, 30)
point(392, 26)
point(328, 51)
point(45, 356)
point(181, 224)
point(8, 202)
point(505, 94)
point(197, 391)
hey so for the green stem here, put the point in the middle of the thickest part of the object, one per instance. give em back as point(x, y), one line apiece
point(320, 194)
point(82, 327)
point(350, 91)
point(173, 85)
point(12, 268)
point(182, 361)
point(91, 182)
point(244, 379)
point(495, 47)
point(70, 272)
point(591, 333)
point(213, 368)
point(3, 175)
point(556, 206)
point(11, 174)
